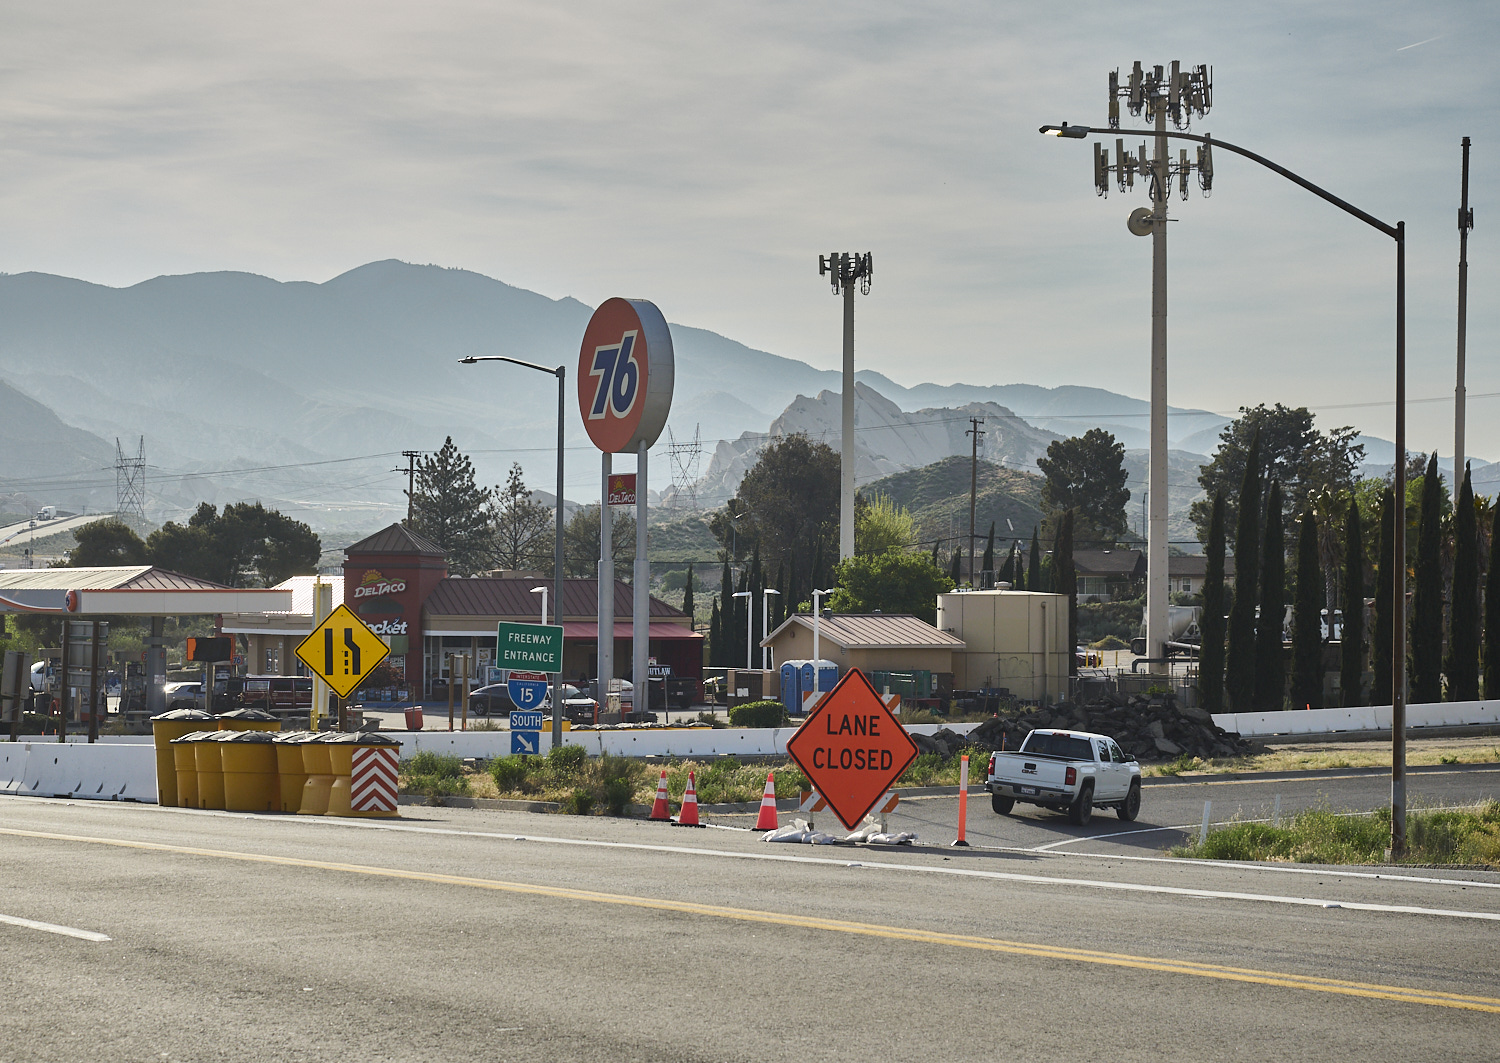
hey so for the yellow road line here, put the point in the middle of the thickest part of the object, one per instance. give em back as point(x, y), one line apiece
point(1308, 983)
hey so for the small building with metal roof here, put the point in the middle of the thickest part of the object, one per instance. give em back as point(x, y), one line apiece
point(887, 642)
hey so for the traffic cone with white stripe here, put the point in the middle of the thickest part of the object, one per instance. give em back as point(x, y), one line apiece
point(688, 817)
point(767, 818)
point(662, 808)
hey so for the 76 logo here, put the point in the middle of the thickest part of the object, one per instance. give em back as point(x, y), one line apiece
point(617, 377)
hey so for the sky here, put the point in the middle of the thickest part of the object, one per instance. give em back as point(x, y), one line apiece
point(703, 155)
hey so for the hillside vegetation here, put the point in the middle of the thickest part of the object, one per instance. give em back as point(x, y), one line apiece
point(937, 496)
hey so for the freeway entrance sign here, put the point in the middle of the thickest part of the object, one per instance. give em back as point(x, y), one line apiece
point(851, 748)
point(526, 690)
point(342, 651)
point(537, 647)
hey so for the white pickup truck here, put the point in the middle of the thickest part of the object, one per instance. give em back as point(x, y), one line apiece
point(1069, 771)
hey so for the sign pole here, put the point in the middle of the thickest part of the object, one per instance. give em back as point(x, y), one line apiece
point(322, 607)
point(606, 582)
point(93, 681)
point(557, 564)
point(640, 633)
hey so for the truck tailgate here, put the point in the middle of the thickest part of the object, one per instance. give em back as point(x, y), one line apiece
point(1030, 775)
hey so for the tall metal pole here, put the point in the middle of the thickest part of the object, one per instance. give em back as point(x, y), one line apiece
point(640, 629)
point(1398, 595)
point(1465, 223)
point(606, 584)
point(1156, 477)
point(846, 461)
point(557, 562)
point(974, 423)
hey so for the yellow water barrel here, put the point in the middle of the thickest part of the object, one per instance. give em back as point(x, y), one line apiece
point(250, 781)
point(165, 728)
point(185, 762)
point(290, 770)
point(210, 770)
point(319, 767)
point(341, 748)
point(248, 720)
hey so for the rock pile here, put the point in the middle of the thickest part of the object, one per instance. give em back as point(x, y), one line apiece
point(1151, 727)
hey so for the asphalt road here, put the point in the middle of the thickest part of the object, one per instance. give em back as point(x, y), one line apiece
point(463, 934)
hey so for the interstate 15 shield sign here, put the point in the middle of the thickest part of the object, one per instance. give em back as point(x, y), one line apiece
point(625, 373)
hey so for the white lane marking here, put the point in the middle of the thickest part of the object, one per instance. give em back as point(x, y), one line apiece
point(53, 928)
point(1000, 876)
point(1118, 834)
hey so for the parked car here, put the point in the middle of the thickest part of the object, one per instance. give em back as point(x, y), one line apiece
point(184, 695)
point(492, 700)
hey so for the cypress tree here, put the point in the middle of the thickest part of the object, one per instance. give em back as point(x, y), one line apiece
point(989, 557)
point(1034, 565)
point(1462, 665)
point(1211, 629)
point(1492, 618)
point(715, 637)
point(687, 593)
point(1239, 664)
point(1067, 583)
point(1382, 645)
point(1427, 595)
point(779, 605)
point(1270, 663)
point(753, 604)
point(956, 565)
point(1307, 627)
point(741, 625)
point(935, 544)
point(1352, 660)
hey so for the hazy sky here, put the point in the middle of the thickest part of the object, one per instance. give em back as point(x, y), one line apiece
point(702, 155)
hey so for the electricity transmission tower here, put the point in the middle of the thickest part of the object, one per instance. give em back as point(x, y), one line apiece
point(130, 484)
point(685, 457)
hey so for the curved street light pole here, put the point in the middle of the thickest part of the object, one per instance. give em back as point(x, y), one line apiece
point(1396, 232)
point(561, 372)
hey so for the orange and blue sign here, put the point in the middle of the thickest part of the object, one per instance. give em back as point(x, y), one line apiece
point(625, 375)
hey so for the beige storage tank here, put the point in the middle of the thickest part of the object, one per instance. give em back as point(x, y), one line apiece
point(1016, 640)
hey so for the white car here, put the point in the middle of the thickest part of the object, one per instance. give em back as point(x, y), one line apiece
point(184, 695)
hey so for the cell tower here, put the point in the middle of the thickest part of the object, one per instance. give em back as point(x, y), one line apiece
point(130, 484)
point(685, 458)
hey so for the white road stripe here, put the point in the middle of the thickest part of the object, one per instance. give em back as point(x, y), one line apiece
point(53, 928)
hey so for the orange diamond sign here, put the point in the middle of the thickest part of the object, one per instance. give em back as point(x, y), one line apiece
point(852, 748)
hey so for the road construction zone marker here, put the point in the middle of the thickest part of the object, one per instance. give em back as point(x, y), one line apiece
point(812, 801)
point(372, 781)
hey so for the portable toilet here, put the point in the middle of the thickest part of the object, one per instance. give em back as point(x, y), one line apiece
point(791, 687)
point(827, 676)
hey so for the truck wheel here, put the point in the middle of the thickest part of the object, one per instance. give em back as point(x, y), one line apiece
point(1002, 805)
point(1082, 809)
point(1132, 806)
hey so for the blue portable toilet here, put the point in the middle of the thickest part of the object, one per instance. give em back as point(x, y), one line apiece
point(826, 673)
point(791, 687)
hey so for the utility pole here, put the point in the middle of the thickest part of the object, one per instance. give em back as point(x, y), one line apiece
point(1465, 223)
point(843, 270)
point(975, 432)
point(411, 457)
point(1161, 94)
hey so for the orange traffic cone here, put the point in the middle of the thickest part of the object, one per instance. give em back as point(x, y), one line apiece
point(767, 817)
point(661, 809)
point(688, 817)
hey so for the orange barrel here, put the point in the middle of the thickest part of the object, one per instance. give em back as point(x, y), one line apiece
point(185, 763)
point(210, 770)
point(289, 767)
point(248, 720)
point(165, 728)
point(317, 763)
point(250, 783)
point(373, 785)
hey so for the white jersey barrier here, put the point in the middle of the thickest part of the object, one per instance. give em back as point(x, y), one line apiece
point(1364, 718)
point(119, 771)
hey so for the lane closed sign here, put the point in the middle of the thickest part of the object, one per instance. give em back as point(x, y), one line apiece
point(852, 749)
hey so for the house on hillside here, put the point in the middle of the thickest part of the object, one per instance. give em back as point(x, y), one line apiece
point(1104, 575)
point(1185, 574)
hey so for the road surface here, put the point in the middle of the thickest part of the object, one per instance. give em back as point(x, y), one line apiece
point(466, 934)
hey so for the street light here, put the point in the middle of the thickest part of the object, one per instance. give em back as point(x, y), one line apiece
point(561, 372)
point(749, 628)
point(817, 612)
point(765, 625)
point(543, 592)
point(1397, 233)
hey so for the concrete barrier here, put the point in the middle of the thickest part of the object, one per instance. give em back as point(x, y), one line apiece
point(1364, 718)
point(100, 772)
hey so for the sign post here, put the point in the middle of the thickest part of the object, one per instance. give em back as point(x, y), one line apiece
point(852, 749)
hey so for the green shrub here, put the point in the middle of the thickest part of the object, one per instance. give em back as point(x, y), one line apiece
point(712, 719)
point(435, 785)
point(429, 763)
point(509, 773)
point(617, 794)
point(578, 803)
point(759, 714)
point(567, 760)
point(922, 770)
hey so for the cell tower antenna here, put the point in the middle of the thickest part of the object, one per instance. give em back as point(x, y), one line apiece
point(130, 484)
point(685, 458)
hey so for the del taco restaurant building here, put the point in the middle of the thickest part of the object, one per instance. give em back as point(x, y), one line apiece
point(398, 583)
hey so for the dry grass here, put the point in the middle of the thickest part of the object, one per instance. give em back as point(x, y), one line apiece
point(1322, 756)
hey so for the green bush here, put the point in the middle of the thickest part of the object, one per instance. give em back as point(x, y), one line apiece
point(567, 760)
point(578, 803)
point(712, 719)
point(509, 773)
point(617, 794)
point(759, 714)
point(435, 785)
point(429, 763)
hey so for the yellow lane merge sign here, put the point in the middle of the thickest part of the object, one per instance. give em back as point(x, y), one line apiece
point(342, 651)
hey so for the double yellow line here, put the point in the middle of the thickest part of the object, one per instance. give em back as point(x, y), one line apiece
point(1307, 983)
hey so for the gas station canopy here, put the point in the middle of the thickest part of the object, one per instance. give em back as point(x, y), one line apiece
point(128, 590)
